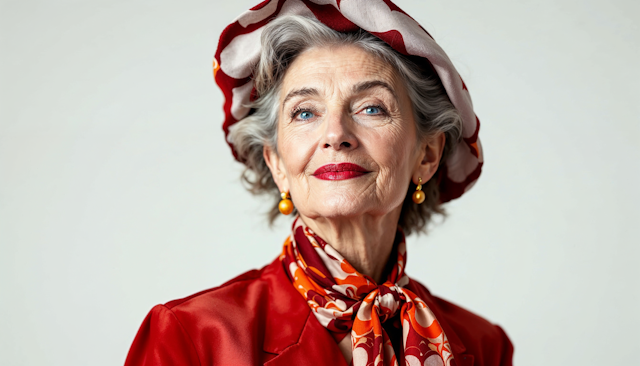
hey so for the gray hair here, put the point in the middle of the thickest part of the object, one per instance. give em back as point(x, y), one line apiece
point(282, 40)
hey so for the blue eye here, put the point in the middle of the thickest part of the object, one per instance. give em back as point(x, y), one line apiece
point(306, 115)
point(372, 110)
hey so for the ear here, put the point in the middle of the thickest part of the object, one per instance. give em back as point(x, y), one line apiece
point(430, 153)
point(276, 166)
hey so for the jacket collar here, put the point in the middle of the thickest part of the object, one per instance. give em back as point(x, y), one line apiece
point(286, 311)
point(292, 333)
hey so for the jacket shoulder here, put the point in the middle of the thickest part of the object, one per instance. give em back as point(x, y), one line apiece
point(250, 278)
point(209, 327)
point(229, 308)
point(244, 321)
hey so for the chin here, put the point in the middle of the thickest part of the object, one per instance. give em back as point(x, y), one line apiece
point(332, 207)
point(336, 208)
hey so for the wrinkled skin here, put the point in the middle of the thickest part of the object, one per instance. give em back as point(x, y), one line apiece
point(341, 104)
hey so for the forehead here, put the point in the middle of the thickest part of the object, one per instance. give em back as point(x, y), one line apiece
point(337, 67)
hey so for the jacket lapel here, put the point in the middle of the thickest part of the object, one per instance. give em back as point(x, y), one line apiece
point(315, 346)
point(292, 334)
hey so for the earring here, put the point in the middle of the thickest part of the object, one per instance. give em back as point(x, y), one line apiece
point(418, 195)
point(285, 206)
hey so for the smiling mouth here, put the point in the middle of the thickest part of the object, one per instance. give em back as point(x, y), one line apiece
point(340, 171)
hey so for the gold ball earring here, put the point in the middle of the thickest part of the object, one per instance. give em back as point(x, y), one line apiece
point(285, 206)
point(418, 195)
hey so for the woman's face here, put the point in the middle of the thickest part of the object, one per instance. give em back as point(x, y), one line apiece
point(347, 143)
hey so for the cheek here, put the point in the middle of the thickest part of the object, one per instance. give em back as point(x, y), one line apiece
point(295, 149)
point(393, 150)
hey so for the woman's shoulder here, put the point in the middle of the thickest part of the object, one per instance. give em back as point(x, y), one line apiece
point(469, 333)
point(253, 280)
point(239, 300)
point(257, 311)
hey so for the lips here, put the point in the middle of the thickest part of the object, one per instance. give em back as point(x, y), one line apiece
point(339, 171)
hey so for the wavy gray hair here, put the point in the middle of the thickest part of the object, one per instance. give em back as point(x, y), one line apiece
point(283, 39)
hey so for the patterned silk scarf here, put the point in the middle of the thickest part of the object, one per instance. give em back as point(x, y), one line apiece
point(344, 300)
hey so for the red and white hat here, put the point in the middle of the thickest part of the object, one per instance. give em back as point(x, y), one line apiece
point(239, 49)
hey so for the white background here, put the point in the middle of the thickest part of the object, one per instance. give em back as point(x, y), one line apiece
point(117, 191)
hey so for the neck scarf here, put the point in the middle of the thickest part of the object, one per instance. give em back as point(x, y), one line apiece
point(343, 300)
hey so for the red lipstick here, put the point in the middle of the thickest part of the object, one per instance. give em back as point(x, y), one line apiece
point(339, 171)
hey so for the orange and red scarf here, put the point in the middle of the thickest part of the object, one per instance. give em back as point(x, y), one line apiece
point(344, 300)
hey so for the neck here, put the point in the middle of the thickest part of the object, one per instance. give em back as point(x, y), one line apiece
point(365, 242)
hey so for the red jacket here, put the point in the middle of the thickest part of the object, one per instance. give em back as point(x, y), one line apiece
point(259, 318)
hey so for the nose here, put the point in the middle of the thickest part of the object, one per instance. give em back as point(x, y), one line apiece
point(338, 134)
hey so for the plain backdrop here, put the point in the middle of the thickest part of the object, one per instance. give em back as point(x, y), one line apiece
point(117, 191)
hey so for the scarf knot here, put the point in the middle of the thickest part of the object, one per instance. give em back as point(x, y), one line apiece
point(347, 302)
point(386, 299)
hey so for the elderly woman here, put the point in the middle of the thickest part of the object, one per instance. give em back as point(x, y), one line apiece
point(352, 116)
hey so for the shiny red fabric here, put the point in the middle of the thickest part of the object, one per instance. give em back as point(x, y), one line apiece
point(259, 318)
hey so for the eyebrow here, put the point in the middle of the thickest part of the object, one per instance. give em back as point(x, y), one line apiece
point(356, 89)
point(305, 92)
point(366, 85)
